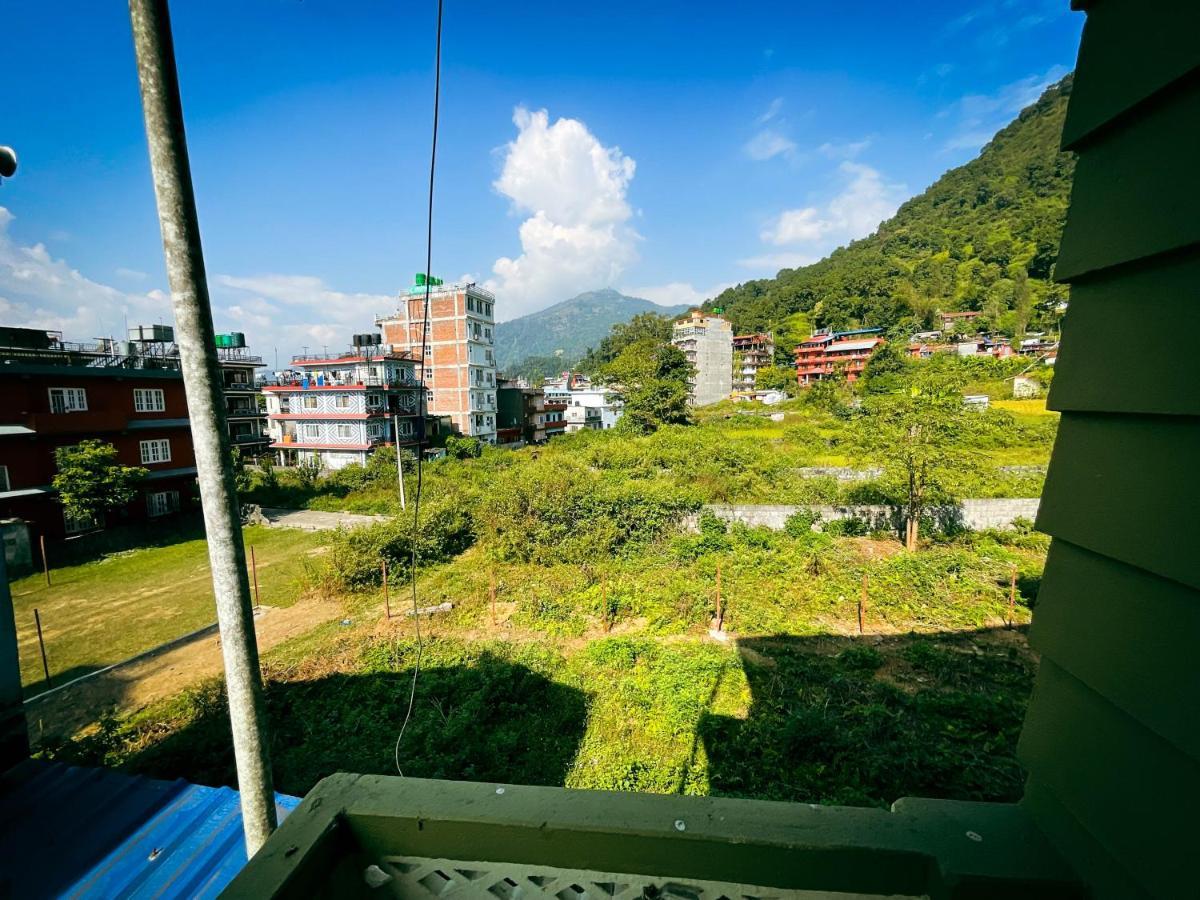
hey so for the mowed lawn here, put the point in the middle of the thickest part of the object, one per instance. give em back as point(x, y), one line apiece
point(107, 610)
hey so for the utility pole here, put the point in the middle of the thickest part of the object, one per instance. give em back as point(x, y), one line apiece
point(194, 335)
point(399, 459)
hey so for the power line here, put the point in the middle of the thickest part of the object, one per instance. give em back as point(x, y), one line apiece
point(421, 403)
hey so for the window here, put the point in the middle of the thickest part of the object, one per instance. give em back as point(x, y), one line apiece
point(156, 451)
point(429, 396)
point(341, 401)
point(487, 333)
point(162, 503)
point(308, 401)
point(148, 400)
point(64, 400)
point(311, 431)
point(345, 431)
point(374, 401)
point(78, 524)
point(5, 484)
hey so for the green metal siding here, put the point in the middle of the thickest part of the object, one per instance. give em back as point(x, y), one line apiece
point(1112, 739)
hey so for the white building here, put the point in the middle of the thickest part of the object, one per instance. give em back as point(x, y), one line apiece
point(577, 391)
point(707, 342)
point(336, 410)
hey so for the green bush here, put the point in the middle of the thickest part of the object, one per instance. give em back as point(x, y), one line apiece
point(800, 523)
point(356, 556)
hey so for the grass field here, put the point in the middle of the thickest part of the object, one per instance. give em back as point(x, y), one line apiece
point(103, 611)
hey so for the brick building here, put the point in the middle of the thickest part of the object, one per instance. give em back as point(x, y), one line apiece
point(840, 354)
point(335, 410)
point(526, 414)
point(126, 393)
point(459, 368)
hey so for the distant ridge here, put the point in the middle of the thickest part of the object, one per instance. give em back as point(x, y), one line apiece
point(569, 328)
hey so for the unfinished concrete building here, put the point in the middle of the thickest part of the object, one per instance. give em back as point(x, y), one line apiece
point(707, 342)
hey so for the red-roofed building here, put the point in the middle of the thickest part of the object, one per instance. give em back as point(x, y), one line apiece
point(823, 355)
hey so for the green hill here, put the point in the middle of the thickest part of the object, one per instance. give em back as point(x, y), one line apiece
point(983, 237)
point(566, 330)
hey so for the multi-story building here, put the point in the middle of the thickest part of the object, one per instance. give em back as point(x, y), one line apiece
point(525, 415)
point(245, 412)
point(459, 366)
point(841, 354)
point(958, 322)
point(125, 393)
point(751, 352)
point(336, 410)
point(582, 418)
point(707, 342)
point(575, 390)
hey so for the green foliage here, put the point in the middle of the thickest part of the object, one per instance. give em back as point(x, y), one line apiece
point(651, 378)
point(308, 471)
point(357, 555)
point(460, 447)
point(646, 326)
point(983, 237)
point(886, 369)
point(776, 378)
point(91, 480)
point(800, 523)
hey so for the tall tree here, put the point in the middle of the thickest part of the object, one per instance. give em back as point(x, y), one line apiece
point(651, 378)
point(917, 434)
point(647, 326)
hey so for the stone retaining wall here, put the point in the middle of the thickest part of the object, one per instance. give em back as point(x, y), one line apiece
point(973, 515)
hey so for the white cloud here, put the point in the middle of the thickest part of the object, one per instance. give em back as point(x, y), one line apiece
point(847, 150)
point(767, 144)
point(39, 291)
point(864, 202)
point(576, 236)
point(291, 312)
point(131, 274)
point(773, 262)
point(771, 112)
point(977, 117)
point(676, 293)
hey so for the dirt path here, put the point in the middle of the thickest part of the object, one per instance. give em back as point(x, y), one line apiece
point(131, 686)
point(316, 520)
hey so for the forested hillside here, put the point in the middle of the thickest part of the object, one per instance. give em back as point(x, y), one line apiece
point(983, 237)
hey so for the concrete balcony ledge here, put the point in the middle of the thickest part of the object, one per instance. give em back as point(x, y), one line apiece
point(408, 837)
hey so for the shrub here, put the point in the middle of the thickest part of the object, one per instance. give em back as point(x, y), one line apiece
point(357, 556)
point(800, 523)
point(851, 526)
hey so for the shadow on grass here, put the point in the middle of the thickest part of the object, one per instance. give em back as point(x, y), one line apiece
point(865, 721)
point(487, 721)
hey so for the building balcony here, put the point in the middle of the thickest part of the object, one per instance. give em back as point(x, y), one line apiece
point(422, 838)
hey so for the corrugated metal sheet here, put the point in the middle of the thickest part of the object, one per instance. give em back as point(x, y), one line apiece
point(78, 832)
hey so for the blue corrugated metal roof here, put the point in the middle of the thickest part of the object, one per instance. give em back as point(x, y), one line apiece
point(76, 832)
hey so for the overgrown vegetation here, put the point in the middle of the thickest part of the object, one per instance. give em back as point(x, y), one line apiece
point(984, 237)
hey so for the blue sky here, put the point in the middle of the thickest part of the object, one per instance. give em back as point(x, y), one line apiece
point(665, 149)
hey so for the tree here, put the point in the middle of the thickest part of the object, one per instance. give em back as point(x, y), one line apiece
point(91, 481)
point(647, 326)
point(775, 378)
point(917, 434)
point(885, 369)
point(651, 378)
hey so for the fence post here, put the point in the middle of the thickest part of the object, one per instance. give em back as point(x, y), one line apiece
point(45, 561)
point(387, 603)
point(1012, 597)
point(720, 608)
point(37, 620)
point(254, 572)
point(862, 605)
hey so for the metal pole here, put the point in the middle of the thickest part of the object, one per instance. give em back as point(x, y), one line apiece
point(399, 460)
point(194, 334)
point(37, 620)
point(45, 560)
